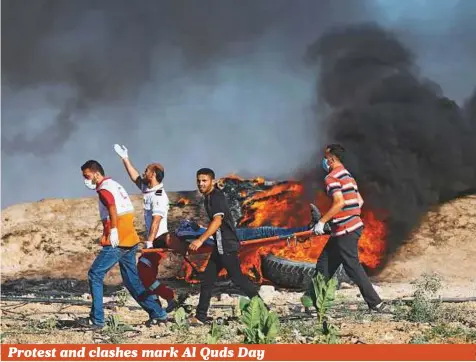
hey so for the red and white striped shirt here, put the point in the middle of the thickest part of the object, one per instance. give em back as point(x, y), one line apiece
point(348, 218)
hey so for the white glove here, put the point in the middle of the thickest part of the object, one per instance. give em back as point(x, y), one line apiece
point(121, 151)
point(319, 228)
point(114, 237)
point(149, 244)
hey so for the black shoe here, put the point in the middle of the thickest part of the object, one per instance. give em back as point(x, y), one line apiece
point(315, 215)
point(88, 323)
point(172, 304)
point(156, 321)
point(199, 321)
point(381, 308)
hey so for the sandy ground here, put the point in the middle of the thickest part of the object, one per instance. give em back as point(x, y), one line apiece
point(29, 323)
point(48, 246)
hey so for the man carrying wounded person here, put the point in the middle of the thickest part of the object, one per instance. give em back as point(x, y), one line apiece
point(226, 247)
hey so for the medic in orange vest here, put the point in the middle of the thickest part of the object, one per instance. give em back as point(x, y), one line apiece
point(119, 245)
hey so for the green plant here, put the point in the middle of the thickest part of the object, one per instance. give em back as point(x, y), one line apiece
point(121, 297)
point(181, 320)
point(215, 333)
point(445, 331)
point(35, 326)
point(423, 308)
point(115, 329)
point(261, 325)
point(322, 297)
point(418, 339)
point(48, 324)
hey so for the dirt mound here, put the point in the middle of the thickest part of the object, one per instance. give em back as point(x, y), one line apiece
point(445, 243)
point(57, 238)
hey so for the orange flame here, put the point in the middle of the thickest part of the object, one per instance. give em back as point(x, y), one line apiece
point(233, 177)
point(259, 180)
point(283, 205)
point(183, 201)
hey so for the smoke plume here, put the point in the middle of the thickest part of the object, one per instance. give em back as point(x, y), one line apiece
point(106, 51)
point(217, 83)
point(409, 147)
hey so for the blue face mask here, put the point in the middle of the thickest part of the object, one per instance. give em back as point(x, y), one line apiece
point(325, 165)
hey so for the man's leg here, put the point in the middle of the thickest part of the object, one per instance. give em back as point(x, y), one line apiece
point(208, 279)
point(324, 263)
point(104, 262)
point(334, 259)
point(231, 263)
point(270, 231)
point(148, 266)
point(267, 232)
point(130, 275)
point(348, 247)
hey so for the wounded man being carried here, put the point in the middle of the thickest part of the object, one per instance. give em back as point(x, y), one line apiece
point(189, 230)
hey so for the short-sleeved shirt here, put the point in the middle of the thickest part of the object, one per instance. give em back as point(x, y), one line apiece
point(225, 237)
point(156, 202)
point(339, 180)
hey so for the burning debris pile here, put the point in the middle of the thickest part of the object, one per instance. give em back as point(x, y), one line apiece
point(257, 202)
point(283, 204)
point(238, 190)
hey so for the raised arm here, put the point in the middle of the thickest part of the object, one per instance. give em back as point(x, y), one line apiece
point(133, 173)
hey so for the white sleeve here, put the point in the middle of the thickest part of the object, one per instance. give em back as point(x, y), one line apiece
point(159, 205)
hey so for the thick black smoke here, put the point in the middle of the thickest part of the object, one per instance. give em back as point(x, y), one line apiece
point(409, 147)
point(103, 50)
point(470, 110)
point(106, 51)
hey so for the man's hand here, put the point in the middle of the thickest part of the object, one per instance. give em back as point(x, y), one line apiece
point(121, 151)
point(319, 228)
point(195, 244)
point(114, 237)
point(149, 244)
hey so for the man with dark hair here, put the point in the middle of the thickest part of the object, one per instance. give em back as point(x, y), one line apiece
point(119, 242)
point(225, 251)
point(346, 226)
point(94, 166)
point(156, 207)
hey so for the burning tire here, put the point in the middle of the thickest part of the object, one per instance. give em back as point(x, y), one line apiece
point(292, 274)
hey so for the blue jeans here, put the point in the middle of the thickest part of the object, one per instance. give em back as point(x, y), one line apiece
point(188, 233)
point(266, 232)
point(106, 259)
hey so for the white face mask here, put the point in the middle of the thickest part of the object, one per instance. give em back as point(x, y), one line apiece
point(89, 184)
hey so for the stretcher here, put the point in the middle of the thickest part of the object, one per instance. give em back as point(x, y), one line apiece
point(295, 237)
point(245, 246)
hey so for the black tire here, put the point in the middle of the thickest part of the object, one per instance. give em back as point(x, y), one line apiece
point(287, 273)
point(292, 274)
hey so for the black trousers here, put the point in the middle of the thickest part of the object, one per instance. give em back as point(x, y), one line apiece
point(343, 249)
point(216, 263)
